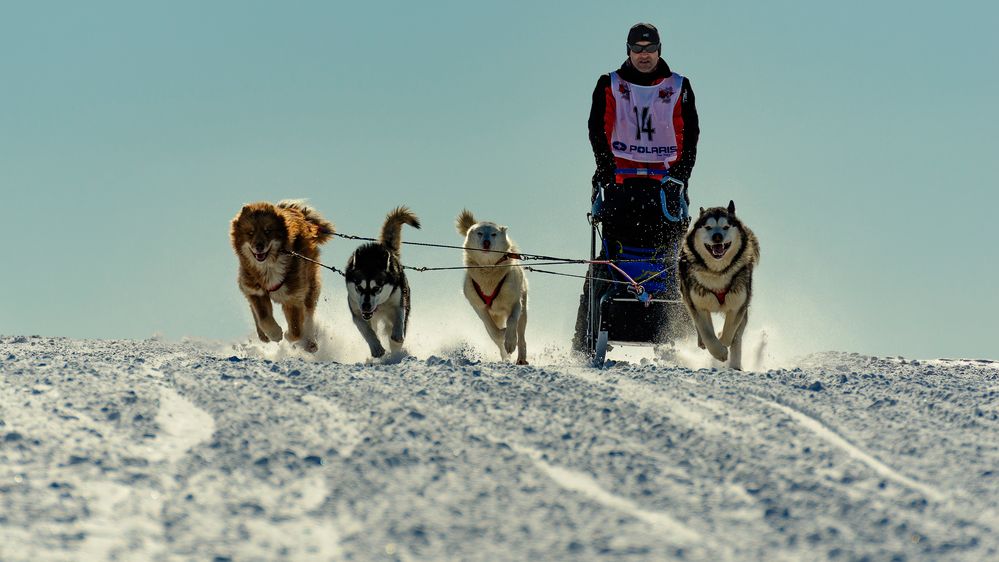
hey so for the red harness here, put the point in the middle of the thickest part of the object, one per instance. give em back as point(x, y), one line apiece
point(488, 299)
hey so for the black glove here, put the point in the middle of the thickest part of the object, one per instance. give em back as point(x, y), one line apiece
point(600, 179)
point(686, 185)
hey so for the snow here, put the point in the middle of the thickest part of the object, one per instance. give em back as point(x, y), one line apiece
point(154, 450)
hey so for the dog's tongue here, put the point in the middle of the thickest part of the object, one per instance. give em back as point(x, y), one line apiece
point(718, 250)
point(260, 257)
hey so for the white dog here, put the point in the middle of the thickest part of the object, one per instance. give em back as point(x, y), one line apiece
point(497, 294)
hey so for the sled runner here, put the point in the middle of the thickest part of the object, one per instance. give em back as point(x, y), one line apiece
point(633, 293)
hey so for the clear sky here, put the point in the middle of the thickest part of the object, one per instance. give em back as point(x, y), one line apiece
point(857, 139)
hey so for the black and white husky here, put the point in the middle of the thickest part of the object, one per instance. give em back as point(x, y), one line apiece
point(716, 275)
point(377, 290)
point(495, 284)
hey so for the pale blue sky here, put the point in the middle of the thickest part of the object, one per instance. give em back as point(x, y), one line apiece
point(856, 138)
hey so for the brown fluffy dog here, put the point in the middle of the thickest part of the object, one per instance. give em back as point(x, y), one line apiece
point(262, 234)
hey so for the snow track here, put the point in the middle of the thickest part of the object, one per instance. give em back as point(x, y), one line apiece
point(836, 440)
point(152, 450)
point(183, 426)
point(581, 483)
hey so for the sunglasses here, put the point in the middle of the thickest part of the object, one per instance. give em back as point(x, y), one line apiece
point(643, 48)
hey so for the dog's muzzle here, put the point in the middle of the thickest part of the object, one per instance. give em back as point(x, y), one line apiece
point(367, 313)
point(263, 256)
point(718, 250)
point(486, 244)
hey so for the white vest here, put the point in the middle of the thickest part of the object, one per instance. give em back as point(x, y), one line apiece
point(643, 121)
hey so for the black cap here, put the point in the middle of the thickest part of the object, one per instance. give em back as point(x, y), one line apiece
point(643, 32)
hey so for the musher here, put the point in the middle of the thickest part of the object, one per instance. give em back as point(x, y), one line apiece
point(643, 130)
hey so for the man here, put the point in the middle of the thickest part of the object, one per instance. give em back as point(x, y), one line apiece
point(643, 129)
point(662, 140)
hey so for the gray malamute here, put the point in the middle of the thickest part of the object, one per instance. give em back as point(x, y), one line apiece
point(495, 284)
point(377, 290)
point(716, 275)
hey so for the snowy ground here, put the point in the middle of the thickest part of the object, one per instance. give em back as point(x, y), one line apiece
point(146, 450)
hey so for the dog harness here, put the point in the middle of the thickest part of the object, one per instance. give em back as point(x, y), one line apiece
point(720, 295)
point(488, 299)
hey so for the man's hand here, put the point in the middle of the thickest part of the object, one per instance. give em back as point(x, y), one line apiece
point(604, 176)
point(600, 179)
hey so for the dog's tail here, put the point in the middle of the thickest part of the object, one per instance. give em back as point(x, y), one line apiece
point(392, 229)
point(319, 228)
point(464, 222)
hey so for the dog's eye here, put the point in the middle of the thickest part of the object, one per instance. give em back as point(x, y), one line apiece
point(725, 228)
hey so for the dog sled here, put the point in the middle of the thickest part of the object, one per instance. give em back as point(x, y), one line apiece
point(632, 289)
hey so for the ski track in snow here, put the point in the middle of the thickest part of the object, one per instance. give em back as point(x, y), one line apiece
point(816, 427)
point(579, 482)
point(152, 450)
point(183, 426)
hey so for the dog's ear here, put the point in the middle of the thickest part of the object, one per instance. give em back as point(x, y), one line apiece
point(234, 224)
point(503, 229)
point(731, 207)
point(702, 210)
point(242, 214)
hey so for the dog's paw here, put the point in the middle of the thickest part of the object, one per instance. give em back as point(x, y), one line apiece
point(377, 351)
point(522, 361)
point(273, 332)
point(311, 346)
point(720, 352)
point(394, 357)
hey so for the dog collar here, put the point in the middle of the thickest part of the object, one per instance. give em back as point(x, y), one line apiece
point(488, 299)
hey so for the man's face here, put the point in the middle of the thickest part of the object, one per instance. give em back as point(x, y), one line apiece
point(644, 62)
